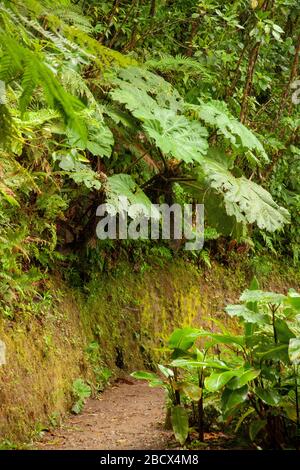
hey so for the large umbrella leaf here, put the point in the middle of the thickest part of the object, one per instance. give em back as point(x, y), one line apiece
point(250, 295)
point(248, 315)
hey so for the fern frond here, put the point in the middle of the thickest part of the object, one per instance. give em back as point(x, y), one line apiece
point(179, 63)
point(6, 67)
point(28, 83)
point(74, 17)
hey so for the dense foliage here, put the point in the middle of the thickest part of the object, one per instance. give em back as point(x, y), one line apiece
point(163, 101)
point(249, 380)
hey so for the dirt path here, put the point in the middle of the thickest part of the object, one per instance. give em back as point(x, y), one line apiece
point(128, 415)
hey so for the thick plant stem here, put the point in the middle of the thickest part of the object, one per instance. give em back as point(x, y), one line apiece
point(200, 420)
point(152, 8)
point(177, 394)
point(297, 398)
point(201, 410)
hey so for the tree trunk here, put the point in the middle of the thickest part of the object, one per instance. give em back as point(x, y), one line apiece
point(249, 81)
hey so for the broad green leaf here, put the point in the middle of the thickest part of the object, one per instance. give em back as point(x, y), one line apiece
point(81, 389)
point(184, 338)
point(215, 113)
point(284, 334)
point(153, 379)
point(141, 79)
point(78, 407)
point(122, 185)
point(67, 162)
point(81, 173)
point(141, 105)
point(217, 380)
point(192, 391)
point(262, 297)
point(226, 339)
point(294, 351)
point(247, 314)
point(232, 398)
point(215, 364)
point(255, 427)
point(144, 375)
point(293, 299)
point(177, 136)
point(166, 371)
point(268, 396)
point(245, 200)
point(290, 411)
point(86, 176)
point(180, 423)
point(215, 212)
point(275, 352)
point(173, 133)
point(240, 381)
point(100, 140)
point(254, 285)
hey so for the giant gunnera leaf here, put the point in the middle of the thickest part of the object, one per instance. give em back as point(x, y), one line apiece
point(157, 105)
point(177, 136)
point(244, 199)
point(215, 114)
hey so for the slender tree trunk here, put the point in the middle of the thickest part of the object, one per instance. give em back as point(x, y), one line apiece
point(113, 11)
point(249, 81)
point(236, 72)
point(287, 90)
point(152, 8)
point(194, 30)
point(127, 16)
point(109, 19)
point(250, 70)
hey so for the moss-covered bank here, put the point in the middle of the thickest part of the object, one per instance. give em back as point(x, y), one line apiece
point(118, 323)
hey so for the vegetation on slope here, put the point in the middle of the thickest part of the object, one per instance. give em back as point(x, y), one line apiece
point(98, 100)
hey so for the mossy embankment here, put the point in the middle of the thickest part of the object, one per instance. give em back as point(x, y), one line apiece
point(116, 324)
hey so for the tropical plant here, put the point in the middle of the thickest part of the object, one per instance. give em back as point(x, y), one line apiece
point(81, 392)
point(254, 378)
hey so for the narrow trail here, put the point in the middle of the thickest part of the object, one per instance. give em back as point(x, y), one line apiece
point(127, 415)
